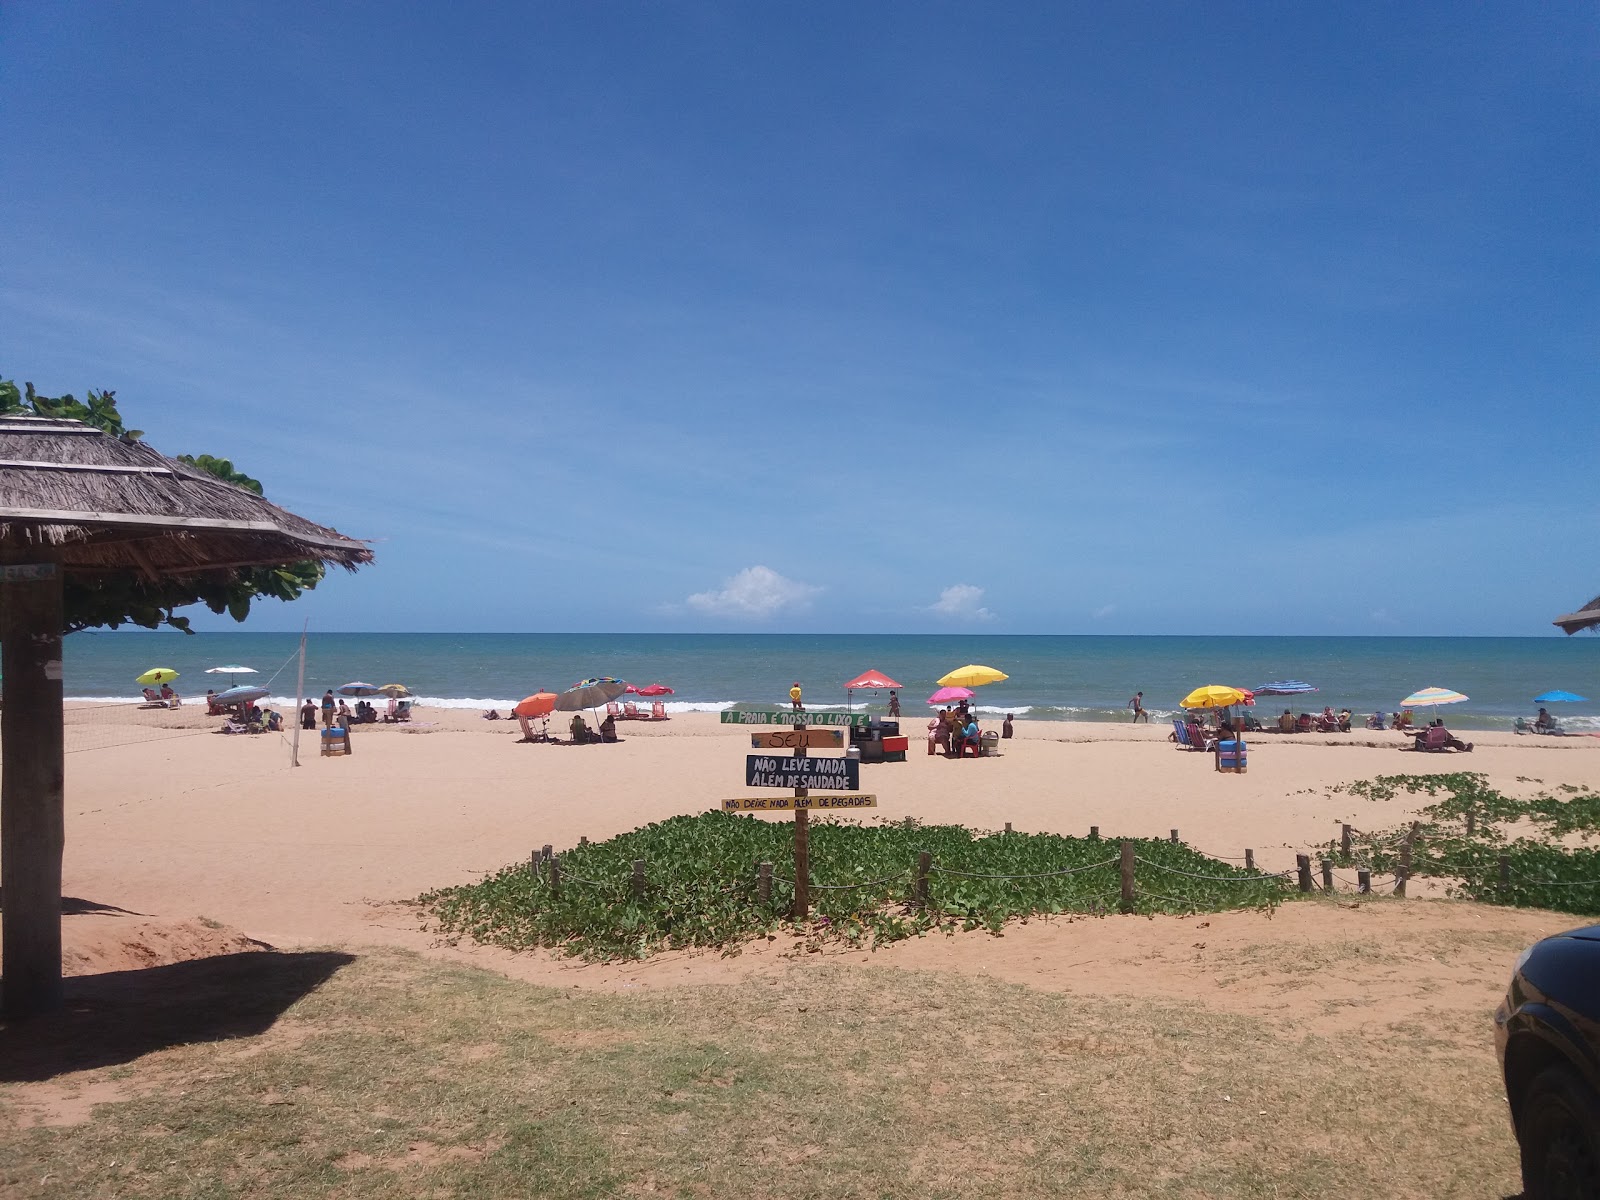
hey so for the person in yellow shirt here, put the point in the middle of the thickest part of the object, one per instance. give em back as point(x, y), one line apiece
point(794, 695)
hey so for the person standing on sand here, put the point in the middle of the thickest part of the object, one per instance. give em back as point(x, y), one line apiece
point(794, 696)
point(327, 709)
point(308, 714)
point(894, 703)
point(1005, 729)
point(1137, 704)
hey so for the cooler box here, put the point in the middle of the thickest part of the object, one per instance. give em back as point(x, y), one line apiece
point(894, 748)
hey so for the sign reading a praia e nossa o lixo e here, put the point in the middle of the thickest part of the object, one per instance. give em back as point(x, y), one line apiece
point(790, 803)
point(819, 774)
point(802, 716)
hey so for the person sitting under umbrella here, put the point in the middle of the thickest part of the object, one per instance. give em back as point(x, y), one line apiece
point(579, 728)
point(608, 729)
point(1545, 723)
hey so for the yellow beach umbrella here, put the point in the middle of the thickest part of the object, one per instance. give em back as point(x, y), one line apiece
point(157, 675)
point(972, 675)
point(398, 690)
point(1213, 695)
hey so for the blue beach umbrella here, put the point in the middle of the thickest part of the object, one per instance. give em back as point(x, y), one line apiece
point(1559, 697)
point(1284, 687)
point(239, 695)
point(359, 689)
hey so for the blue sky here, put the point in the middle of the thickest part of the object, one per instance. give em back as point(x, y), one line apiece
point(1133, 318)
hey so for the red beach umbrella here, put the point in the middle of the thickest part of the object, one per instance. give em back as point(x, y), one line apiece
point(654, 689)
point(871, 681)
point(868, 681)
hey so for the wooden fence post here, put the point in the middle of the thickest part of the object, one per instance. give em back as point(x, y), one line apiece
point(1344, 843)
point(1126, 866)
point(1505, 876)
point(1174, 836)
point(1094, 833)
point(555, 877)
point(764, 881)
point(1303, 862)
point(544, 854)
point(1471, 821)
point(533, 862)
point(920, 888)
point(1364, 881)
point(1008, 826)
point(583, 841)
point(1249, 860)
point(1403, 871)
point(638, 879)
point(1327, 874)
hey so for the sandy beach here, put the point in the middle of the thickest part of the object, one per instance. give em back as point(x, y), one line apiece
point(169, 821)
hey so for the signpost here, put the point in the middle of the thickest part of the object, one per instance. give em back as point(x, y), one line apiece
point(799, 718)
point(792, 739)
point(800, 773)
point(788, 803)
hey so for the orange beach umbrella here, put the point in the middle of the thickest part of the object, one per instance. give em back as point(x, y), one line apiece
point(540, 704)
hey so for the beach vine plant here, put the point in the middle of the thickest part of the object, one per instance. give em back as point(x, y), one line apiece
point(702, 886)
point(114, 600)
point(1545, 839)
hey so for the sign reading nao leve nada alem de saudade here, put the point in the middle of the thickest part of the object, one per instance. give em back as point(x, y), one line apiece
point(769, 716)
point(822, 774)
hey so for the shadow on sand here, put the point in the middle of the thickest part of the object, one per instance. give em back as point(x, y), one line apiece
point(120, 1015)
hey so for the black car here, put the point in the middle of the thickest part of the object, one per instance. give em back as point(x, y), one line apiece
point(1548, 1033)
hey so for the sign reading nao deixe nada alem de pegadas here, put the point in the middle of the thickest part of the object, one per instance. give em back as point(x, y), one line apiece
point(823, 774)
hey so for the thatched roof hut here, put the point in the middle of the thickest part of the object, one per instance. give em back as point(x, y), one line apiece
point(112, 505)
point(1586, 617)
point(75, 501)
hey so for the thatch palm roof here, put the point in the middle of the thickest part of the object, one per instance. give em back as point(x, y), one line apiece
point(1586, 617)
point(113, 505)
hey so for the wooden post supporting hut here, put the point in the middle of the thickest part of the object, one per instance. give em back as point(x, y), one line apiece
point(81, 510)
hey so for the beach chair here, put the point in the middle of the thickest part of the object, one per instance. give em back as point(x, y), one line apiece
point(613, 709)
point(1231, 756)
point(1198, 739)
point(658, 711)
point(1434, 738)
point(1180, 735)
point(630, 712)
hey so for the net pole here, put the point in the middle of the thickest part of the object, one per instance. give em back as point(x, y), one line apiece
point(299, 699)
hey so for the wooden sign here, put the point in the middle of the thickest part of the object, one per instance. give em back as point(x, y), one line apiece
point(768, 716)
point(790, 803)
point(821, 774)
point(794, 739)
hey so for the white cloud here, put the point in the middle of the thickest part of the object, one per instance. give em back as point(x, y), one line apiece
point(961, 601)
point(755, 593)
point(1105, 610)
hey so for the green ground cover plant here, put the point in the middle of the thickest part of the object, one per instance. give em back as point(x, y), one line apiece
point(1542, 838)
point(702, 889)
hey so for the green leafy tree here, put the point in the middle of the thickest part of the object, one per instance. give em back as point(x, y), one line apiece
point(132, 599)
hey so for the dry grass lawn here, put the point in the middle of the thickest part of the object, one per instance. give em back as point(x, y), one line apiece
point(392, 1074)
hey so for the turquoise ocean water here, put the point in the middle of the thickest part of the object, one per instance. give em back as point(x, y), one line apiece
point(1077, 677)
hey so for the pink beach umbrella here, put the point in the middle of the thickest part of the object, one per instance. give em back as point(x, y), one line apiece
point(949, 695)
